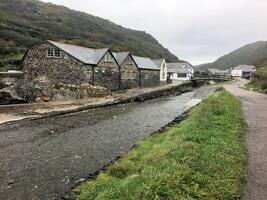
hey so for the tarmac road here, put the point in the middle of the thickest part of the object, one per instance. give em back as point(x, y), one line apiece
point(44, 158)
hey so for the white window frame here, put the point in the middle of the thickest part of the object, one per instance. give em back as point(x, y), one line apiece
point(50, 53)
point(53, 53)
point(57, 53)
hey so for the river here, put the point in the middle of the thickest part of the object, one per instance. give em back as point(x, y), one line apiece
point(44, 158)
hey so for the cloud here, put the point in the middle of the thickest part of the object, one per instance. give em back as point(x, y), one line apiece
point(194, 30)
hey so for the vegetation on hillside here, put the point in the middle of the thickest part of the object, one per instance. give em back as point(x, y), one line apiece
point(251, 54)
point(259, 81)
point(200, 158)
point(24, 23)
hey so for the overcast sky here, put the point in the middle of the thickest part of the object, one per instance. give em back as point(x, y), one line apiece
point(195, 30)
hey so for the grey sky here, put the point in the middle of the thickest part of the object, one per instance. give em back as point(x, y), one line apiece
point(195, 30)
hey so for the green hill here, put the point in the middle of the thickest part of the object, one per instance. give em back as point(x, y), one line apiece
point(24, 23)
point(250, 54)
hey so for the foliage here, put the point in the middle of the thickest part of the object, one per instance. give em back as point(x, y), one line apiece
point(259, 81)
point(200, 158)
point(24, 23)
point(251, 54)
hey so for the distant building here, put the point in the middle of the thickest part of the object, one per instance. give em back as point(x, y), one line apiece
point(180, 71)
point(149, 73)
point(217, 72)
point(244, 71)
point(162, 65)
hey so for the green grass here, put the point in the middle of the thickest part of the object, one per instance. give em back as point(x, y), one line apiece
point(254, 87)
point(24, 23)
point(201, 158)
point(259, 81)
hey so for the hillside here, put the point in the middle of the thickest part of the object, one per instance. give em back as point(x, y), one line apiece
point(251, 54)
point(24, 23)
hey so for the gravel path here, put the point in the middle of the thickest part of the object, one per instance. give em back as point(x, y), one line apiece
point(255, 110)
point(41, 159)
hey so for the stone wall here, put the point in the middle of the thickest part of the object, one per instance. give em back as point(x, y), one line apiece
point(66, 69)
point(9, 78)
point(107, 74)
point(149, 78)
point(66, 77)
point(130, 75)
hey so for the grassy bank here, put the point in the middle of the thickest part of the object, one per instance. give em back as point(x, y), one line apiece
point(200, 158)
point(259, 81)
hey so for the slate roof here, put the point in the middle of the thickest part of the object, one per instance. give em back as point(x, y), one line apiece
point(84, 54)
point(121, 56)
point(159, 62)
point(145, 63)
point(179, 68)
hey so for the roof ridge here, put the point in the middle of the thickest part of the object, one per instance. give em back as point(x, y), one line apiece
point(63, 43)
point(121, 52)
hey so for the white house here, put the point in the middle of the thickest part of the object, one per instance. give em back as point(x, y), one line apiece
point(180, 71)
point(243, 71)
point(162, 65)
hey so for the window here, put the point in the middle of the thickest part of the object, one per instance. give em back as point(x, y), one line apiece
point(53, 53)
point(182, 75)
point(163, 75)
point(122, 75)
point(164, 68)
point(146, 76)
point(108, 57)
point(57, 53)
point(50, 53)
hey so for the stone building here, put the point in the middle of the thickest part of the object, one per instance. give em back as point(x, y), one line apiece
point(162, 65)
point(71, 64)
point(180, 71)
point(244, 71)
point(149, 73)
point(60, 71)
point(129, 73)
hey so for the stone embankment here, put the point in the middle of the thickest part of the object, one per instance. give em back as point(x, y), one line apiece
point(42, 110)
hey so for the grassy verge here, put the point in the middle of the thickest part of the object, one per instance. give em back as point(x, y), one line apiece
point(254, 87)
point(201, 158)
point(259, 81)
